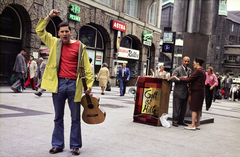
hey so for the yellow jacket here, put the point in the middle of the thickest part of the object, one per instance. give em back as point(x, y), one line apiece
point(50, 75)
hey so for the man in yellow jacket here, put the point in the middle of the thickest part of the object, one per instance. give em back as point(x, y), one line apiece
point(61, 77)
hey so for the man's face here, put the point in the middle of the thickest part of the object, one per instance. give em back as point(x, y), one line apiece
point(23, 52)
point(227, 74)
point(185, 61)
point(124, 65)
point(64, 33)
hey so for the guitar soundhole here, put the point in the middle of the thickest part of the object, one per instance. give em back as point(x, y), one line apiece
point(90, 106)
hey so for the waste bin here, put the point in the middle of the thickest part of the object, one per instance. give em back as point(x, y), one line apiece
point(152, 99)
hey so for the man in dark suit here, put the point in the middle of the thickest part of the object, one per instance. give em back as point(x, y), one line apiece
point(227, 85)
point(180, 93)
point(123, 77)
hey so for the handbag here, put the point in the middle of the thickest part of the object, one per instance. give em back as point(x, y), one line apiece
point(223, 91)
point(108, 87)
point(164, 121)
point(218, 95)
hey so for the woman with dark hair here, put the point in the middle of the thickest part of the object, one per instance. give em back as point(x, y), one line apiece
point(103, 77)
point(32, 71)
point(197, 80)
point(210, 83)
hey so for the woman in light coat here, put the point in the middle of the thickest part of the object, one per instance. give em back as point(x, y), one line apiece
point(161, 73)
point(32, 69)
point(103, 77)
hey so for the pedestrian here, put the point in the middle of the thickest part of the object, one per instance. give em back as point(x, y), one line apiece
point(210, 83)
point(161, 73)
point(217, 88)
point(103, 77)
point(32, 71)
point(151, 73)
point(123, 78)
point(20, 68)
point(238, 93)
point(61, 77)
point(92, 67)
point(40, 72)
point(197, 80)
point(180, 93)
point(227, 82)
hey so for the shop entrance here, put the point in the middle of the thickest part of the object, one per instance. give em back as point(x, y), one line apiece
point(10, 42)
point(93, 39)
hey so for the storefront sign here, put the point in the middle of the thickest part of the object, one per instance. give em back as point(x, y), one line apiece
point(118, 26)
point(168, 37)
point(128, 53)
point(73, 11)
point(146, 38)
point(151, 101)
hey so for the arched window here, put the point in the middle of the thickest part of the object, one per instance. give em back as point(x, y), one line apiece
point(10, 24)
point(91, 37)
point(152, 14)
point(128, 42)
point(132, 7)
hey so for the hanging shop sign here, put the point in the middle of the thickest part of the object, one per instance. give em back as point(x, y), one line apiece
point(73, 11)
point(146, 38)
point(128, 53)
point(118, 26)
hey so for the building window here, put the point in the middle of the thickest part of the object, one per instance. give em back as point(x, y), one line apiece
point(108, 2)
point(232, 27)
point(10, 24)
point(152, 14)
point(132, 7)
point(91, 37)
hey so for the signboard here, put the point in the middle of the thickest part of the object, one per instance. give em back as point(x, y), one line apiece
point(167, 47)
point(151, 101)
point(118, 26)
point(73, 11)
point(146, 38)
point(128, 53)
point(168, 37)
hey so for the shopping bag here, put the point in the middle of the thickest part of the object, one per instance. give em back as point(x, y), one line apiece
point(223, 91)
point(164, 121)
point(108, 87)
point(13, 79)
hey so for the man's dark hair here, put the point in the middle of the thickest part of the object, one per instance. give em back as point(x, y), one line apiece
point(63, 24)
point(90, 60)
point(199, 60)
point(22, 49)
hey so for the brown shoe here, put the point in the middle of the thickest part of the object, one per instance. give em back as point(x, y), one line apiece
point(15, 91)
point(75, 151)
point(175, 124)
point(55, 150)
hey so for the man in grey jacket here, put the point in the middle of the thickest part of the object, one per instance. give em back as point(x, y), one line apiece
point(227, 85)
point(20, 68)
point(180, 93)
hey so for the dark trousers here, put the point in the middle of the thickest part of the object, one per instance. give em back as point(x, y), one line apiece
point(20, 82)
point(208, 96)
point(179, 109)
point(123, 85)
point(227, 92)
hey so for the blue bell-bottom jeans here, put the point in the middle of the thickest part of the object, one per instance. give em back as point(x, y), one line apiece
point(66, 90)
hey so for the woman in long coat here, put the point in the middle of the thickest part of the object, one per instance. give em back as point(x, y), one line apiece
point(103, 77)
point(32, 69)
point(197, 87)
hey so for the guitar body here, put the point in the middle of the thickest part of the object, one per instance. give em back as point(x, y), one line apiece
point(92, 113)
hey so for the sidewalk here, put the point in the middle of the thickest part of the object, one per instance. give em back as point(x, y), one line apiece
point(26, 125)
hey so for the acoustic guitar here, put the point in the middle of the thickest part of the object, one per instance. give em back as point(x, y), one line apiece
point(92, 113)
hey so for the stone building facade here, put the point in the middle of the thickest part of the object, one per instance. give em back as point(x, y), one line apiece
point(224, 47)
point(95, 29)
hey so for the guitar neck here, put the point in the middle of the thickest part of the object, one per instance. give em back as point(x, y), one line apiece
point(85, 88)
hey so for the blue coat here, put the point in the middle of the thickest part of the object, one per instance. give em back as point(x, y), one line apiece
point(126, 75)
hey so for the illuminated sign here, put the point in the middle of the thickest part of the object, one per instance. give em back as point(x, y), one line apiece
point(146, 38)
point(118, 26)
point(74, 9)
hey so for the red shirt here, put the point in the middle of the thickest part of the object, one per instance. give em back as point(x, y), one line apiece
point(69, 60)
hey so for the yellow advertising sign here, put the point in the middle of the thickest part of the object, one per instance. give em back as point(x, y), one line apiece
point(151, 101)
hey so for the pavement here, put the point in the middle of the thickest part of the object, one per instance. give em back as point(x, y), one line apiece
point(26, 125)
